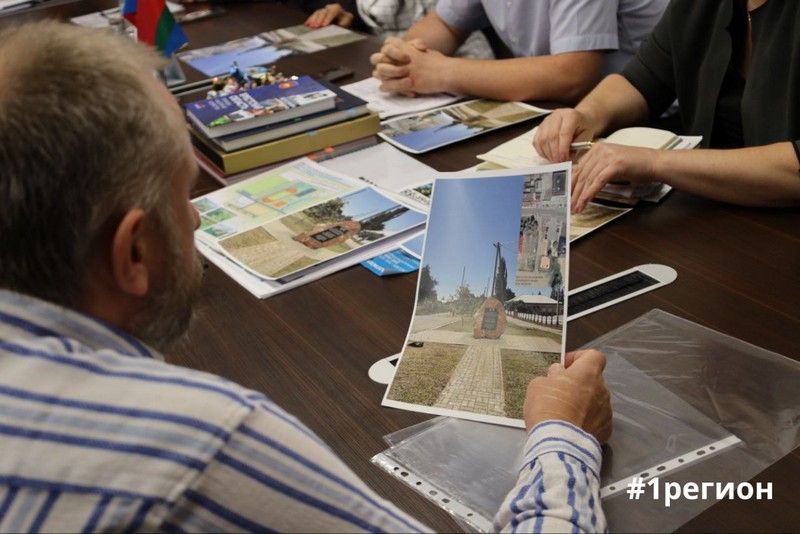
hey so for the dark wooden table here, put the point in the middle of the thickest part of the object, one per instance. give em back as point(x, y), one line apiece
point(310, 349)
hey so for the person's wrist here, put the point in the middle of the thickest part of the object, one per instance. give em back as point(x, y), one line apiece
point(589, 120)
point(656, 162)
point(447, 74)
point(541, 439)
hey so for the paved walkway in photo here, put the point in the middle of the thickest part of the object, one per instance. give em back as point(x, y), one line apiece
point(506, 341)
point(427, 322)
point(477, 382)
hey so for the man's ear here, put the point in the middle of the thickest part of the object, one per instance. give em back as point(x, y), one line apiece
point(130, 263)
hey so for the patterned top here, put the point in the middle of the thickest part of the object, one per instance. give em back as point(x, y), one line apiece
point(98, 434)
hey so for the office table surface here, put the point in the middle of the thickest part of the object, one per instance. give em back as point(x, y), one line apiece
point(310, 349)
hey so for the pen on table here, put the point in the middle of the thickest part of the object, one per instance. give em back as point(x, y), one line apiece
point(581, 145)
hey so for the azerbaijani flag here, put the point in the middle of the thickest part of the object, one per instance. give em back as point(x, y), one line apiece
point(155, 25)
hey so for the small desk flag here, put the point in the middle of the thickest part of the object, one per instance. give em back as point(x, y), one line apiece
point(155, 24)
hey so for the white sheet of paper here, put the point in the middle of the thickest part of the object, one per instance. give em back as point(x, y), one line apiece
point(516, 152)
point(14, 5)
point(519, 152)
point(391, 104)
point(383, 165)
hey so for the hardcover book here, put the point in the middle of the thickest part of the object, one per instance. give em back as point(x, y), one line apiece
point(267, 104)
point(286, 147)
point(346, 106)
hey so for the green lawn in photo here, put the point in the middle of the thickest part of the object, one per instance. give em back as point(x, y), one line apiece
point(519, 368)
point(424, 373)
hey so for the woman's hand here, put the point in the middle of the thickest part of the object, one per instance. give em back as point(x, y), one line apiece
point(330, 14)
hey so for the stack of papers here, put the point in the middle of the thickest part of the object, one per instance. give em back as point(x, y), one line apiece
point(392, 104)
point(266, 48)
point(519, 152)
point(297, 223)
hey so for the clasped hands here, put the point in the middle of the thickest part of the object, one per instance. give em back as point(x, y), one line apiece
point(409, 67)
point(603, 163)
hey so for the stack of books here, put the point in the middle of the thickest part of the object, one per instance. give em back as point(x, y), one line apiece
point(249, 129)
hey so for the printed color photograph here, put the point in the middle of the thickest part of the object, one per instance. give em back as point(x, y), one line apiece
point(320, 233)
point(478, 335)
point(431, 129)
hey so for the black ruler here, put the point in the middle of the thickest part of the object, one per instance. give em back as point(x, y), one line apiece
point(616, 288)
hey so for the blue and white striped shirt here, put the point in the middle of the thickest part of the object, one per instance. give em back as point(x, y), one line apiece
point(98, 434)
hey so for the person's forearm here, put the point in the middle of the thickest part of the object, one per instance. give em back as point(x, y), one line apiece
point(614, 104)
point(558, 489)
point(563, 78)
point(757, 176)
point(436, 34)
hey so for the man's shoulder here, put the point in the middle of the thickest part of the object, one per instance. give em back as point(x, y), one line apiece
point(181, 389)
point(112, 381)
point(73, 411)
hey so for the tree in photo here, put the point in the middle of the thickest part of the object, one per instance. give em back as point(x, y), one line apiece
point(501, 280)
point(327, 212)
point(427, 284)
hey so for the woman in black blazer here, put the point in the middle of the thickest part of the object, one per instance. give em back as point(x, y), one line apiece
point(734, 67)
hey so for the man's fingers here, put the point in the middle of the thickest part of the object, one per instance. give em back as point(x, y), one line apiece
point(578, 184)
point(400, 85)
point(396, 54)
point(418, 44)
point(377, 58)
point(586, 360)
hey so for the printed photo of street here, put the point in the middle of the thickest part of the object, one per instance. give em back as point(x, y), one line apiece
point(431, 129)
point(266, 48)
point(445, 366)
point(543, 229)
point(591, 218)
point(477, 336)
point(320, 233)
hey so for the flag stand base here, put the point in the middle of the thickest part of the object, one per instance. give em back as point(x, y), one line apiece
point(172, 75)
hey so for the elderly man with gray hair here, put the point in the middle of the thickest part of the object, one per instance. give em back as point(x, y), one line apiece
point(98, 270)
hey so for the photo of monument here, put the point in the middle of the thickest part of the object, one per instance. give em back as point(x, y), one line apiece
point(483, 327)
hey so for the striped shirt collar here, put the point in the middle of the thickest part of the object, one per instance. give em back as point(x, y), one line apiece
point(25, 317)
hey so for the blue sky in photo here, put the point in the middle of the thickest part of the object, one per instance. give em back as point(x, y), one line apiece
point(434, 137)
point(415, 244)
point(366, 202)
point(467, 217)
point(219, 64)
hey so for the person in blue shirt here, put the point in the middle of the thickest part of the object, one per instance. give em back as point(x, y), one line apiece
point(560, 48)
point(393, 18)
point(98, 274)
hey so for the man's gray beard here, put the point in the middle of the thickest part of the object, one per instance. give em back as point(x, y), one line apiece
point(170, 303)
